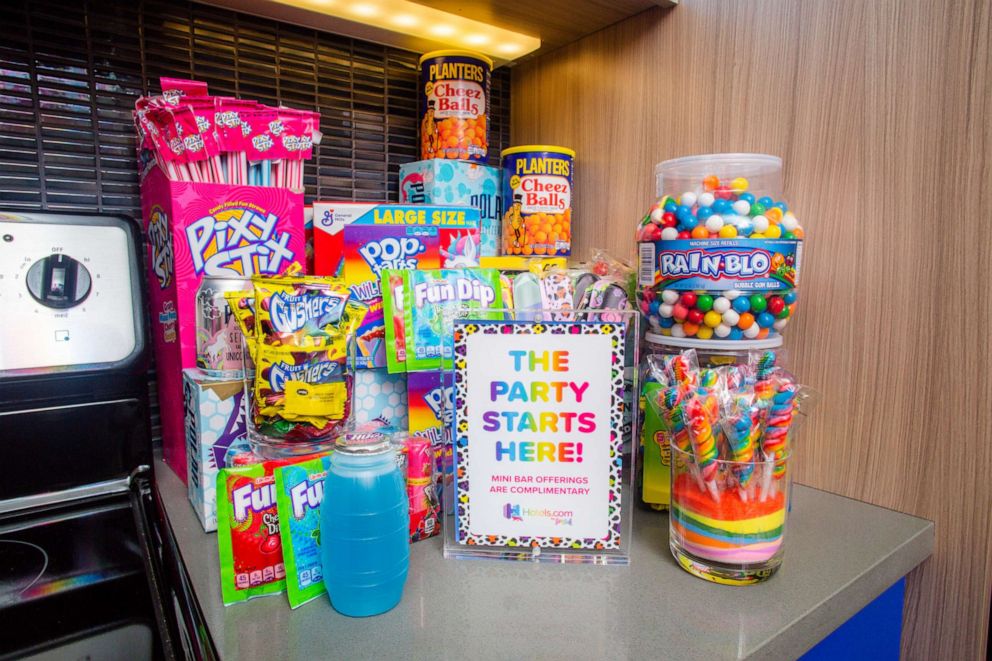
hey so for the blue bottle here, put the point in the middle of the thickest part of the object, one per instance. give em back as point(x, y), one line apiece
point(364, 524)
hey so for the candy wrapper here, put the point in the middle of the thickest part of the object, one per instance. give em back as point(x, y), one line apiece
point(739, 418)
point(425, 506)
point(242, 305)
point(301, 311)
point(299, 494)
point(300, 385)
point(431, 300)
point(393, 284)
point(557, 294)
point(248, 541)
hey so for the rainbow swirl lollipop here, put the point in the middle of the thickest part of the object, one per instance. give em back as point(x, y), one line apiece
point(776, 436)
point(682, 369)
point(703, 443)
point(764, 386)
point(741, 443)
point(672, 400)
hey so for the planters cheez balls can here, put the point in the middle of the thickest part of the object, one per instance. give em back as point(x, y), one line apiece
point(219, 345)
point(454, 105)
point(537, 200)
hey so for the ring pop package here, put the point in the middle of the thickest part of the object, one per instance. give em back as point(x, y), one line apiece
point(299, 494)
point(425, 506)
point(720, 252)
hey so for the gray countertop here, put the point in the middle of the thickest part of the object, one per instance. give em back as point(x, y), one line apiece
point(840, 555)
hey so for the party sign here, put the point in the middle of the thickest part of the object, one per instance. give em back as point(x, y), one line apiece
point(538, 432)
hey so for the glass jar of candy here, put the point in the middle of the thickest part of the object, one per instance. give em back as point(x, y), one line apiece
point(272, 436)
point(727, 520)
point(719, 253)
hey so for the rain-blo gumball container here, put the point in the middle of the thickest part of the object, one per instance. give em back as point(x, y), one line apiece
point(719, 253)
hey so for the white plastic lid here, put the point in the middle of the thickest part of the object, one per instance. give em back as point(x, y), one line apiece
point(697, 166)
point(719, 345)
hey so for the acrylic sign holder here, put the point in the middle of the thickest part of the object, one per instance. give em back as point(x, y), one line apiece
point(600, 344)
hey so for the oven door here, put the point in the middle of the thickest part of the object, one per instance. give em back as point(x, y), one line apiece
point(155, 555)
point(82, 579)
point(192, 640)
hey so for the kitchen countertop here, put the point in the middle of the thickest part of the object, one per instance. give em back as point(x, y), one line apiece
point(840, 555)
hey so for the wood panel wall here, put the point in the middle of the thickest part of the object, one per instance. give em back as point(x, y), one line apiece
point(882, 112)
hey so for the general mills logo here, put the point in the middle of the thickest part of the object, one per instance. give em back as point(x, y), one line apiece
point(238, 241)
point(160, 241)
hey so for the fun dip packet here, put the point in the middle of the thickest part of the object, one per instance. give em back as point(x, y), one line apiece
point(248, 541)
point(299, 494)
point(432, 299)
point(393, 284)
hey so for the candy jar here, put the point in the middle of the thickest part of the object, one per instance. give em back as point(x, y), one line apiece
point(719, 253)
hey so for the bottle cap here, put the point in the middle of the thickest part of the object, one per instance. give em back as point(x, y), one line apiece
point(364, 443)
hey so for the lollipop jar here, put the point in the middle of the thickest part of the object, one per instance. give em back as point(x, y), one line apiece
point(729, 527)
point(719, 253)
point(708, 353)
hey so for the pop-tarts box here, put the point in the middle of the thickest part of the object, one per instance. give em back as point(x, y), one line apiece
point(430, 414)
point(215, 431)
point(357, 241)
point(440, 181)
point(195, 230)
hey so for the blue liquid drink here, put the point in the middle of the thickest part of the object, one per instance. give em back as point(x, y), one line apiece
point(364, 526)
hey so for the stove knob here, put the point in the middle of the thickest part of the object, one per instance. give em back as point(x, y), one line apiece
point(58, 281)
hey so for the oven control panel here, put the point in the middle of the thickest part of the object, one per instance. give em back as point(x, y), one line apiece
point(67, 291)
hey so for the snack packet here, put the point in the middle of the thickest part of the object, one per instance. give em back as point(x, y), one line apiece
point(425, 506)
point(556, 294)
point(242, 305)
point(302, 311)
point(431, 301)
point(299, 493)
point(301, 384)
point(251, 563)
point(395, 324)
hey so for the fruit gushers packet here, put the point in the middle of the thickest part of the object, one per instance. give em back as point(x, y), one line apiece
point(299, 493)
point(301, 385)
point(251, 563)
point(432, 300)
point(300, 311)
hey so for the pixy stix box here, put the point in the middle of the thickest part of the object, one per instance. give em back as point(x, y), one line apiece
point(195, 230)
point(357, 241)
point(440, 181)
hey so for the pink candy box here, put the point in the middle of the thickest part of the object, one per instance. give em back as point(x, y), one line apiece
point(197, 229)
